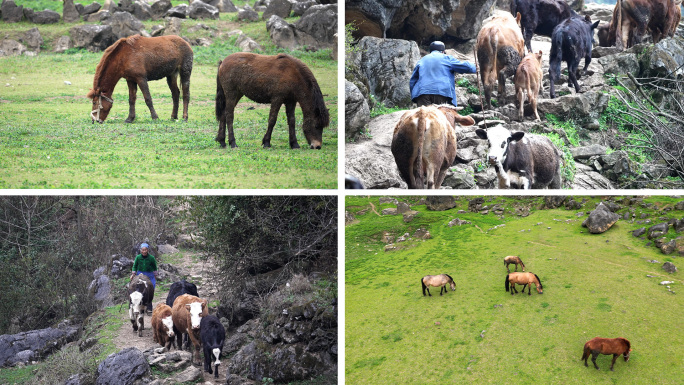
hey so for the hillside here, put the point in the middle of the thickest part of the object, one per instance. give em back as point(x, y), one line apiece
point(594, 285)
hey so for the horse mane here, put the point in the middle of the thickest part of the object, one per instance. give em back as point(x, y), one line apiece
point(538, 280)
point(626, 342)
point(449, 277)
point(321, 113)
point(105, 60)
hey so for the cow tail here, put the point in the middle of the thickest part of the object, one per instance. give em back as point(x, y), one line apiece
point(220, 96)
point(506, 283)
point(495, 48)
point(418, 162)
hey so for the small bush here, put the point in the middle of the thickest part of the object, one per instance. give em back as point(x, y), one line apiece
point(67, 362)
point(568, 126)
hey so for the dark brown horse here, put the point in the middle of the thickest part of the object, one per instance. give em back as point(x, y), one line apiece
point(140, 59)
point(614, 346)
point(277, 80)
point(437, 280)
point(513, 259)
point(524, 279)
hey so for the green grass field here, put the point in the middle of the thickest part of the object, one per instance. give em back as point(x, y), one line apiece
point(594, 285)
point(48, 140)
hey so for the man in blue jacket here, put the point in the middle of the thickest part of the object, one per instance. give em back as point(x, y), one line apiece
point(432, 81)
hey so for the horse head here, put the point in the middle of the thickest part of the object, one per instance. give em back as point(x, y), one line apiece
point(314, 135)
point(102, 104)
point(626, 355)
point(452, 285)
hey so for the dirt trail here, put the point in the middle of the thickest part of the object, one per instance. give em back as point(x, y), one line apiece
point(196, 272)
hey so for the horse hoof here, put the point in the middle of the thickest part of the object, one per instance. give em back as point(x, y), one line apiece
point(233, 145)
point(129, 120)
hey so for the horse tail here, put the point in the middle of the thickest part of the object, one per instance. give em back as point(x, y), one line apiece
point(220, 96)
point(424, 287)
point(507, 282)
point(538, 280)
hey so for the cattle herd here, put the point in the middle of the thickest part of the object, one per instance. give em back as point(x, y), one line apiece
point(523, 160)
point(183, 315)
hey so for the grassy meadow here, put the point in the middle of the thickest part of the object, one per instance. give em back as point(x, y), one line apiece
point(594, 285)
point(48, 140)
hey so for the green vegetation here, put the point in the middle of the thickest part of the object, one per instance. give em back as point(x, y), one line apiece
point(379, 108)
point(569, 126)
point(49, 141)
point(464, 82)
point(594, 285)
point(615, 116)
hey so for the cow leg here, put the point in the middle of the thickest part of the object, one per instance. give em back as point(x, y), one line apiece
point(132, 93)
point(520, 95)
point(594, 354)
point(148, 98)
point(441, 175)
point(272, 117)
point(587, 60)
point(207, 358)
point(175, 94)
point(290, 112)
point(506, 72)
point(141, 322)
point(572, 74)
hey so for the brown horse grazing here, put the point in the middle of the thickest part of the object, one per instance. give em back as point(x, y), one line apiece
point(614, 346)
point(524, 279)
point(278, 80)
point(437, 280)
point(140, 59)
point(513, 259)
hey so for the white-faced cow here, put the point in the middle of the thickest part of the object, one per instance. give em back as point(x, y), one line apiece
point(213, 334)
point(571, 41)
point(424, 144)
point(162, 326)
point(177, 289)
point(140, 293)
point(187, 314)
point(525, 160)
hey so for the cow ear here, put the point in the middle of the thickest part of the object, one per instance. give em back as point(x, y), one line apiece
point(517, 18)
point(482, 134)
point(595, 24)
point(464, 120)
point(517, 136)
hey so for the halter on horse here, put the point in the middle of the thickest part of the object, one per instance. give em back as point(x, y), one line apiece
point(96, 118)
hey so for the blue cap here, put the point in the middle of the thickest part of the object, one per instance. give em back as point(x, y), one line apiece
point(144, 245)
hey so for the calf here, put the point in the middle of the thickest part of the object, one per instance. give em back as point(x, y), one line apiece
point(140, 293)
point(424, 144)
point(187, 314)
point(571, 41)
point(526, 160)
point(540, 17)
point(528, 78)
point(661, 17)
point(177, 289)
point(500, 46)
point(213, 335)
point(162, 326)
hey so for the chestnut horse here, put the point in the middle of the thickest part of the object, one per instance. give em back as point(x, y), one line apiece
point(524, 279)
point(614, 346)
point(140, 59)
point(277, 80)
point(513, 259)
point(437, 280)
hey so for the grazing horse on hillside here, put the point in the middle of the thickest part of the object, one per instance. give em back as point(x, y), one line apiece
point(524, 279)
point(437, 280)
point(513, 259)
point(140, 59)
point(278, 80)
point(614, 346)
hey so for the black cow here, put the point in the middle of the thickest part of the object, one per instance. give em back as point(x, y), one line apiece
point(571, 41)
point(212, 335)
point(525, 160)
point(176, 290)
point(540, 16)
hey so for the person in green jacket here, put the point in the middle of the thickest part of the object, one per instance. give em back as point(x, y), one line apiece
point(147, 265)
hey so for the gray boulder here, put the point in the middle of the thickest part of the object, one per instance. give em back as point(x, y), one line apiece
point(222, 5)
point(173, 26)
point(70, 13)
point(440, 203)
point(124, 24)
point(600, 220)
point(387, 64)
point(10, 47)
point(125, 367)
point(98, 16)
point(300, 7)
point(581, 106)
point(639, 232)
point(92, 37)
point(180, 11)
point(620, 64)
point(657, 231)
point(248, 14)
point(63, 43)
point(281, 8)
point(669, 267)
point(34, 344)
point(43, 17)
point(317, 27)
point(200, 10)
point(586, 152)
point(100, 288)
point(88, 9)
point(160, 8)
point(281, 32)
point(247, 44)
point(356, 112)
point(11, 13)
point(189, 375)
point(32, 39)
point(141, 10)
point(460, 177)
point(659, 60)
point(121, 266)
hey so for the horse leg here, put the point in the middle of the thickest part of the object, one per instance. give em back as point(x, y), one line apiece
point(428, 289)
point(132, 91)
point(442, 288)
point(615, 356)
point(594, 354)
point(175, 94)
point(227, 120)
point(290, 112)
point(148, 99)
point(185, 84)
point(272, 117)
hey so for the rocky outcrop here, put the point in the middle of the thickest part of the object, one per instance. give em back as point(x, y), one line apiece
point(62, 44)
point(43, 17)
point(200, 10)
point(32, 39)
point(92, 37)
point(600, 220)
point(160, 8)
point(124, 24)
point(356, 111)
point(100, 288)
point(315, 30)
point(662, 59)
point(11, 13)
point(222, 5)
point(34, 345)
point(10, 47)
point(180, 11)
point(281, 8)
point(124, 367)
point(248, 14)
point(69, 12)
point(440, 203)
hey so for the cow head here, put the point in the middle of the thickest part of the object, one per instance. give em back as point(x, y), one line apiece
point(135, 305)
point(196, 311)
point(499, 139)
point(102, 104)
point(168, 323)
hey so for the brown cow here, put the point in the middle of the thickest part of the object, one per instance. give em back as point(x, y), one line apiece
point(424, 144)
point(187, 314)
point(528, 78)
point(500, 46)
point(661, 17)
point(162, 326)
